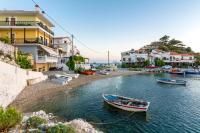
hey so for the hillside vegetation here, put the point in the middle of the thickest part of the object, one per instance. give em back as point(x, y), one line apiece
point(167, 44)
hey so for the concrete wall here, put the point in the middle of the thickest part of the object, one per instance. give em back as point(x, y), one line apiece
point(13, 80)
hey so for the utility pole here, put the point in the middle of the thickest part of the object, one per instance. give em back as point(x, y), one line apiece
point(108, 58)
point(72, 36)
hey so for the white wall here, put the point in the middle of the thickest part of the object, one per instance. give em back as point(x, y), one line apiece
point(85, 66)
point(13, 80)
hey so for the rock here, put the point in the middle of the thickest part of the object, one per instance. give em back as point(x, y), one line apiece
point(82, 126)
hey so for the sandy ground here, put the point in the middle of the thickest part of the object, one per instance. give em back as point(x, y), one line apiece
point(37, 91)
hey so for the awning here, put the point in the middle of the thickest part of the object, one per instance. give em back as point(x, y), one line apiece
point(49, 50)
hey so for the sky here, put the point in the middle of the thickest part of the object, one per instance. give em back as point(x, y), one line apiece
point(119, 25)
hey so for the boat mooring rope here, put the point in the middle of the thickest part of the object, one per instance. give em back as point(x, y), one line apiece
point(112, 122)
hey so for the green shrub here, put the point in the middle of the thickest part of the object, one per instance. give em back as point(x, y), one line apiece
point(36, 121)
point(61, 128)
point(23, 62)
point(135, 69)
point(79, 70)
point(5, 39)
point(124, 65)
point(9, 118)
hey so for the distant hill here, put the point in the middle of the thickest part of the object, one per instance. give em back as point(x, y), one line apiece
point(167, 44)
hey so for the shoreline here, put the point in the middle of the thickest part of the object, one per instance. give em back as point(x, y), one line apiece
point(34, 92)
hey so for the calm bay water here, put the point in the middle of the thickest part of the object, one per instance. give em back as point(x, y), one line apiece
point(172, 109)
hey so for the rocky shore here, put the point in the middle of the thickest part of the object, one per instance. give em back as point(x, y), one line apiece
point(42, 122)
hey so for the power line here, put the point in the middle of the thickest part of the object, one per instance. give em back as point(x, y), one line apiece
point(67, 30)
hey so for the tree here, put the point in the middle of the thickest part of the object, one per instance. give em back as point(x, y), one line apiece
point(71, 63)
point(188, 49)
point(164, 39)
point(159, 62)
point(146, 63)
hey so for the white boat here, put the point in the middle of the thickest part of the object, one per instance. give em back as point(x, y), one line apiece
point(125, 103)
point(72, 75)
point(171, 81)
point(59, 80)
point(104, 72)
point(68, 78)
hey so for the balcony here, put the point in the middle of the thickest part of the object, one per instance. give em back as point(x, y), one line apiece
point(46, 59)
point(29, 41)
point(26, 23)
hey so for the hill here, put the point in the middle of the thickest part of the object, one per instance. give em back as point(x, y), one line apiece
point(167, 44)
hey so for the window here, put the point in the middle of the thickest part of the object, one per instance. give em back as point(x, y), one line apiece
point(124, 59)
point(129, 59)
point(190, 58)
point(65, 41)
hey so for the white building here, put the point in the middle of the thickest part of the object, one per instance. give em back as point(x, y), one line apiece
point(65, 48)
point(133, 56)
point(171, 57)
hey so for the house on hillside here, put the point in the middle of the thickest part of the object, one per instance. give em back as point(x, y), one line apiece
point(65, 48)
point(133, 56)
point(30, 32)
point(171, 58)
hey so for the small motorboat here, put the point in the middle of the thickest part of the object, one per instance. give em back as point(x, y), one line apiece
point(176, 71)
point(75, 75)
point(103, 72)
point(192, 72)
point(171, 81)
point(125, 103)
point(60, 80)
point(65, 77)
point(88, 72)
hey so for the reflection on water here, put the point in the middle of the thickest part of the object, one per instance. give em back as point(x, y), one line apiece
point(173, 108)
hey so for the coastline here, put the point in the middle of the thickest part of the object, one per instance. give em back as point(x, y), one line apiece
point(39, 90)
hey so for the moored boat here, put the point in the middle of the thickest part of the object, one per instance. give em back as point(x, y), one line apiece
point(61, 76)
point(104, 72)
point(125, 103)
point(171, 81)
point(176, 71)
point(88, 72)
point(192, 72)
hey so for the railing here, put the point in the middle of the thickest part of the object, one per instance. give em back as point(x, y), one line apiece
point(29, 41)
point(26, 23)
point(45, 59)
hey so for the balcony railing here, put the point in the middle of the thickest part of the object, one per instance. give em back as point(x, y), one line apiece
point(26, 23)
point(46, 59)
point(29, 41)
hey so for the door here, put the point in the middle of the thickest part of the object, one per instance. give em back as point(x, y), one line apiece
point(13, 20)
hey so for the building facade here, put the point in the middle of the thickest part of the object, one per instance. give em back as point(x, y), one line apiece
point(65, 48)
point(133, 56)
point(30, 32)
point(170, 58)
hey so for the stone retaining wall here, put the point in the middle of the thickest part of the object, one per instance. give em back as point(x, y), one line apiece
point(7, 48)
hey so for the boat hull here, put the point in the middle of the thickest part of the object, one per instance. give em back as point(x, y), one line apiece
point(169, 82)
point(177, 73)
point(126, 107)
